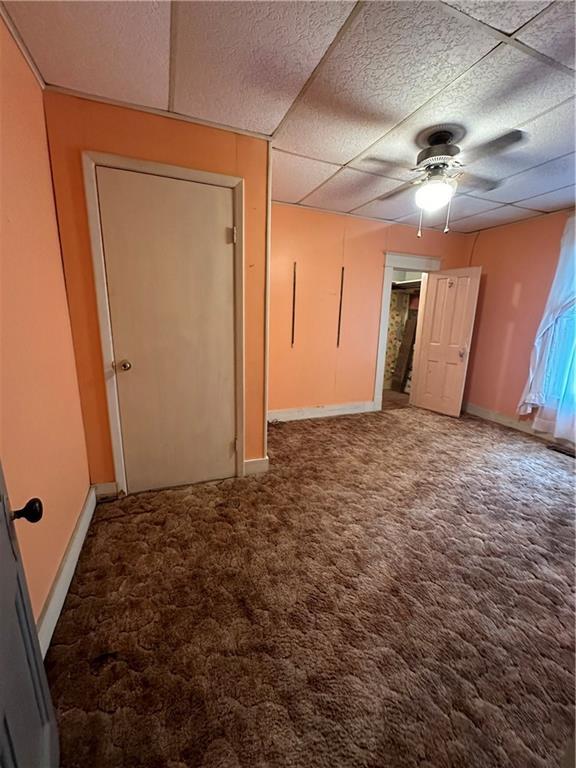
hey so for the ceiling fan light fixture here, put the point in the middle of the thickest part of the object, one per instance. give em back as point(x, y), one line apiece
point(434, 194)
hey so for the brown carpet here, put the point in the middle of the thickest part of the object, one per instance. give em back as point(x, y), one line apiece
point(396, 592)
point(392, 400)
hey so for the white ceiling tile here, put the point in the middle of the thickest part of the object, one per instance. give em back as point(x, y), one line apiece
point(504, 215)
point(551, 201)
point(397, 207)
point(391, 59)
point(119, 50)
point(403, 208)
point(552, 33)
point(244, 63)
point(349, 189)
point(294, 177)
point(535, 181)
point(505, 89)
point(462, 206)
point(547, 137)
point(413, 221)
point(505, 15)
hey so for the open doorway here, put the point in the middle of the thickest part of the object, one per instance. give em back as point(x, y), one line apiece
point(402, 320)
point(403, 274)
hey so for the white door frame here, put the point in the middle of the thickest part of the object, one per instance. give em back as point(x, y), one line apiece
point(392, 261)
point(91, 161)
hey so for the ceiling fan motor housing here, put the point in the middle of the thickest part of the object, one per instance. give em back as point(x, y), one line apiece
point(438, 154)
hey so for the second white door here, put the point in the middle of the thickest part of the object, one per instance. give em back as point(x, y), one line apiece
point(170, 277)
point(445, 324)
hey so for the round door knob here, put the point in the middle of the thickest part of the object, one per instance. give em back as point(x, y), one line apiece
point(31, 511)
point(125, 365)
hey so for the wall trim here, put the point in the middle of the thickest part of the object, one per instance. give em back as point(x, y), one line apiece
point(106, 491)
point(157, 111)
point(505, 421)
point(256, 466)
point(17, 37)
point(55, 600)
point(319, 411)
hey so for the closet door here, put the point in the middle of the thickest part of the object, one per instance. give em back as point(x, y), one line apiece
point(304, 303)
point(357, 346)
point(170, 278)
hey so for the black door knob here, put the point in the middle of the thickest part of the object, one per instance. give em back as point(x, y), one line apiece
point(31, 511)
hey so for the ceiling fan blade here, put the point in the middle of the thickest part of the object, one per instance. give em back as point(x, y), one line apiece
point(494, 147)
point(398, 190)
point(386, 166)
point(479, 183)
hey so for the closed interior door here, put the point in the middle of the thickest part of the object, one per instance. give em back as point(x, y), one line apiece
point(170, 276)
point(445, 324)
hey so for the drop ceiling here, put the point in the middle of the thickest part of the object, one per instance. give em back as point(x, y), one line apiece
point(341, 88)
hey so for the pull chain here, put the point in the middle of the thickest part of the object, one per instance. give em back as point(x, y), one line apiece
point(446, 227)
point(420, 225)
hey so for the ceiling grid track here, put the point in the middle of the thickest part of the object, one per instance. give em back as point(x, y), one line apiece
point(332, 86)
point(341, 32)
point(500, 36)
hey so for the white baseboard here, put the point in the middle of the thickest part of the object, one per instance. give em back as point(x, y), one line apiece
point(500, 418)
point(55, 600)
point(318, 411)
point(256, 466)
point(106, 491)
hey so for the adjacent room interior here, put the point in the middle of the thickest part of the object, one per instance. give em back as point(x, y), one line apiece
point(287, 384)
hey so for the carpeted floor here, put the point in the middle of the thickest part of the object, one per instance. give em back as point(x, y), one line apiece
point(392, 400)
point(397, 591)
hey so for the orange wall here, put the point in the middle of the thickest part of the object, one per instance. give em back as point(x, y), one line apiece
point(302, 376)
point(75, 125)
point(518, 264)
point(41, 432)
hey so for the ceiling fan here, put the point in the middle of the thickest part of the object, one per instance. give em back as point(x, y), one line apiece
point(440, 170)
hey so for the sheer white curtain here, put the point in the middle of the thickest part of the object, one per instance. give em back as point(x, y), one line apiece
point(551, 385)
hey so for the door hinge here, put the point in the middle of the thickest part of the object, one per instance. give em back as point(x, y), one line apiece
point(234, 235)
point(236, 444)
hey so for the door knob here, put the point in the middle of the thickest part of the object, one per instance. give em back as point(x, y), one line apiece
point(124, 365)
point(462, 353)
point(31, 511)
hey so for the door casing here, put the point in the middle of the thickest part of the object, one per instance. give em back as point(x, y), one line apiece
point(91, 161)
point(410, 263)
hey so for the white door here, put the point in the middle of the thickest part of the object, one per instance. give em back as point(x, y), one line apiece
point(28, 733)
point(170, 275)
point(445, 324)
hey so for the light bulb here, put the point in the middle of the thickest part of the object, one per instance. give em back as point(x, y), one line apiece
point(435, 194)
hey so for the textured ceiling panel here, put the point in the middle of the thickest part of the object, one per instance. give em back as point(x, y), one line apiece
point(396, 207)
point(495, 218)
point(552, 201)
point(505, 15)
point(505, 89)
point(548, 136)
point(414, 220)
point(552, 33)
point(243, 64)
point(537, 181)
point(377, 75)
point(349, 189)
point(404, 206)
point(119, 50)
point(294, 177)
